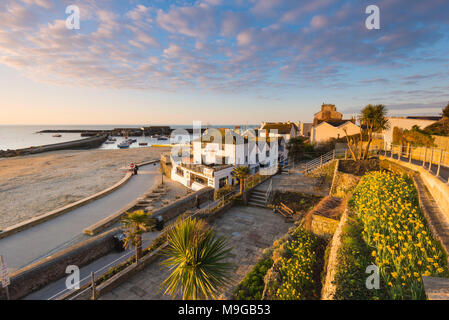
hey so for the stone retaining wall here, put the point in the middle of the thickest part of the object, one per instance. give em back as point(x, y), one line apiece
point(323, 226)
point(168, 212)
point(329, 288)
point(52, 268)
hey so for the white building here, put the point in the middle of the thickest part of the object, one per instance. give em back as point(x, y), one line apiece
point(286, 130)
point(219, 151)
point(327, 130)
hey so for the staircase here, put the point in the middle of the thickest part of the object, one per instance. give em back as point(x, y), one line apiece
point(319, 162)
point(258, 199)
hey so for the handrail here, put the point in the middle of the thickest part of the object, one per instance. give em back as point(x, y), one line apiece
point(269, 190)
point(320, 161)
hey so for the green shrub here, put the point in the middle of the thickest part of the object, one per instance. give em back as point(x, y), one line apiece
point(297, 268)
point(252, 286)
point(353, 258)
point(223, 192)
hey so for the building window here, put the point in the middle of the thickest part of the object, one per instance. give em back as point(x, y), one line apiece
point(199, 179)
point(180, 172)
point(222, 182)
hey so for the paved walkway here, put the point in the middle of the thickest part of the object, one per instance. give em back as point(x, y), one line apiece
point(31, 245)
point(249, 230)
point(296, 182)
point(438, 221)
point(444, 171)
point(103, 264)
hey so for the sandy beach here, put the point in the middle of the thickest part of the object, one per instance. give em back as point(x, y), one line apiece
point(33, 185)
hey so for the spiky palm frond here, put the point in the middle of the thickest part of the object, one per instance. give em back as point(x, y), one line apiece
point(241, 171)
point(196, 261)
point(135, 224)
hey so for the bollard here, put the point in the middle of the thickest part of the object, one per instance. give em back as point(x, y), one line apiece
point(439, 162)
point(425, 156)
point(94, 290)
point(410, 156)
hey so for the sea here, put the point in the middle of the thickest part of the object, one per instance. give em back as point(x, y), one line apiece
point(25, 136)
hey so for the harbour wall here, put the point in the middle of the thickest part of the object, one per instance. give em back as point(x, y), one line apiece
point(87, 143)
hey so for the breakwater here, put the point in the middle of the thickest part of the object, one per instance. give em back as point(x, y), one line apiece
point(118, 132)
point(121, 132)
point(92, 142)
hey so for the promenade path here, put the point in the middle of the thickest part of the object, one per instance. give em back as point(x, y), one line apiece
point(249, 230)
point(31, 245)
point(101, 265)
point(444, 171)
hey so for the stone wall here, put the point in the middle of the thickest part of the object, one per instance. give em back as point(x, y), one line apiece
point(174, 209)
point(323, 226)
point(166, 166)
point(344, 184)
point(329, 288)
point(52, 268)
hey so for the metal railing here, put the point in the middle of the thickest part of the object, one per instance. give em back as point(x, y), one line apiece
point(269, 191)
point(320, 161)
point(434, 160)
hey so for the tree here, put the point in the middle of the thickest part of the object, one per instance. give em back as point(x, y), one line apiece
point(241, 172)
point(196, 260)
point(446, 111)
point(297, 147)
point(373, 118)
point(418, 138)
point(135, 224)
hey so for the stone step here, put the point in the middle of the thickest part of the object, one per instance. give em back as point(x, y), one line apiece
point(258, 196)
point(256, 204)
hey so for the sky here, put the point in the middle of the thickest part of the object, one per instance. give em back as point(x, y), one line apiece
point(217, 61)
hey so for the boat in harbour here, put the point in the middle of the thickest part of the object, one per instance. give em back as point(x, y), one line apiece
point(57, 136)
point(123, 145)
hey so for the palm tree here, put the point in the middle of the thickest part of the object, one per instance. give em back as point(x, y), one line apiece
point(374, 118)
point(196, 261)
point(241, 172)
point(135, 224)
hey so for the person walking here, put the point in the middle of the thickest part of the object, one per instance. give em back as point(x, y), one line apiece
point(197, 200)
point(136, 169)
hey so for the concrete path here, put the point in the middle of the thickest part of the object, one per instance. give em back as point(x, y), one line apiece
point(31, 245)
point(444, 171)
point(295, 182)
point(99, 266)
point(438, 221)
point(249, 231)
